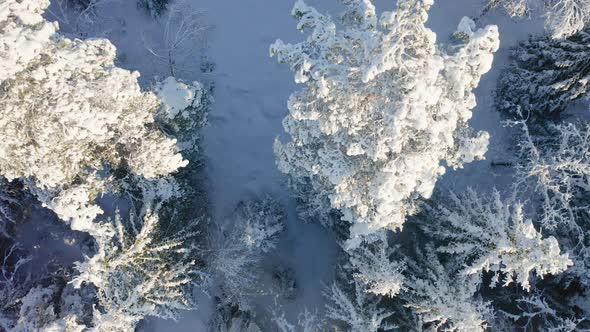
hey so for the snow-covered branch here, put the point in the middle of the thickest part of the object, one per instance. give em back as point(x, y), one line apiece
point(489, 234)
point(443, 297)
point(545, 75)
point(357, 308)
point(138, 275)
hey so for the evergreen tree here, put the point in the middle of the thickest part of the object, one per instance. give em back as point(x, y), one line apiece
point(382, 108)
point(546, 75)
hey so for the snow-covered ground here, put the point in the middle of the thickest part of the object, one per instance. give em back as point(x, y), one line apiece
point(251, 92)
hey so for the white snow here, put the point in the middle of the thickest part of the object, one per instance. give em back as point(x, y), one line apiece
point(177, 96)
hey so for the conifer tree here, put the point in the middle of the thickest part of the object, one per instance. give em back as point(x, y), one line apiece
point(546, 75)
point(382, 108)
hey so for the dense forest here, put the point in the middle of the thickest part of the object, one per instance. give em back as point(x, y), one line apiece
point(385, 165)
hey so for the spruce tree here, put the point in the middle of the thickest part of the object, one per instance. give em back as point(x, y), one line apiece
point(546, 75)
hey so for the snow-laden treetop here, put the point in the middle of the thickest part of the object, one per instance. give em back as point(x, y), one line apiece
point(24, 33)
point(68, 114)
point(382, 109)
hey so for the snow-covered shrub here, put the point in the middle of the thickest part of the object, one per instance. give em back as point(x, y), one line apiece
point(489, 234)
point(31, 292)
point(254, 230)
point(376, 270)
point(137, 274)
point(68, 115)
point(443, 298)
point(229, 318)
point(38, 312)
point(284, 281)
point(545, 75)
point(259, 223)
point(382, 108)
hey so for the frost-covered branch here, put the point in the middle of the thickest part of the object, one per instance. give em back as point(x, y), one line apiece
point(442, 297)
point(375, 268)
point(556, 168)
point(489, 234)
point(15, 281)
point(566, 17)
point(535, 308)
point(357, 308)
point(307, 321)
point(545, 75)
point(137, 275)
point(255, 228)
point(563, 18)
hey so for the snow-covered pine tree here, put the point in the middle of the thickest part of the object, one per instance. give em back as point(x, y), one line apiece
point(546, 75)
point(70, 117)
point(552, 172)
point(138, 275)
point(381, 109)
point(74, 127)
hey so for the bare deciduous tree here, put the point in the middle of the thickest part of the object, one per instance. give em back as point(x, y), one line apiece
point(183, 28)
